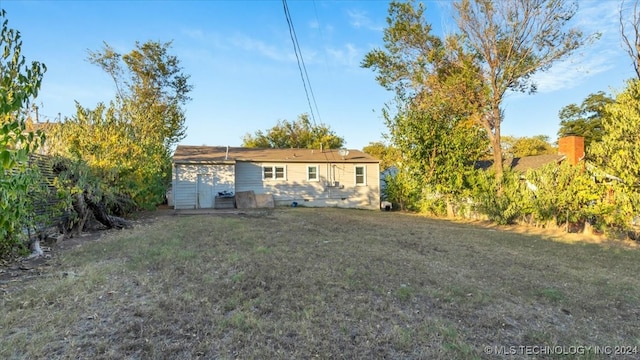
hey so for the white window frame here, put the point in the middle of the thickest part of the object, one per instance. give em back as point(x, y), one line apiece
point(364, 175)
point(274, 172)
point(317, 173)
point(264, 177)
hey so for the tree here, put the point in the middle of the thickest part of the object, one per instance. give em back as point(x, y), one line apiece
point(151, 92)
point(387, 154)
point(586, 119)
point(437, 153)
point(20, 84)
point(438, 92)
point(618, 152)
point(630, 31)
point(297, 134)
point(527, 146)
point(151, 89)
point(130, 141)
point(514, 39)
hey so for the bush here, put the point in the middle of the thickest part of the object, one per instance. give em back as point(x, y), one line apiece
point(502, 203)
point(402, 191)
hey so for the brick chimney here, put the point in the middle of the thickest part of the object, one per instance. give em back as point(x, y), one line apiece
point(572, 147)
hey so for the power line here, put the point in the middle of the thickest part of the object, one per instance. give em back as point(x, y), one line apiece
point(301, 66)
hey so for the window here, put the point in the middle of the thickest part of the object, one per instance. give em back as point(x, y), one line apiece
point(267, 172)
point(360, 175)
point(274, 173)
point(312, 172)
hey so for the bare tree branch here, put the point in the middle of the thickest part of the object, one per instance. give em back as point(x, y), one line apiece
point(631, 37)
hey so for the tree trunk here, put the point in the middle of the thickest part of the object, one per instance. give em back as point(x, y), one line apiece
point(99, 211)
point(497, 144)
point(450, 210)
point(70, 225)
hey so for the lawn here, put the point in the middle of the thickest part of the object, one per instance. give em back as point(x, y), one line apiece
point(324, 283)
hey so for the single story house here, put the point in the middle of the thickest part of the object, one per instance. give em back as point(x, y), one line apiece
point(308, 177)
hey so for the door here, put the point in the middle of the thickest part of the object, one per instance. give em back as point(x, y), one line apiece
point(204, 191)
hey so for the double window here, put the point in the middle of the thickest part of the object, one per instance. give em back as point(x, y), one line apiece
point(274, 173)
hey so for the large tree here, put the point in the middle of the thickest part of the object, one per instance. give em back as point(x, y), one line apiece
point(514, 39)
point(151, 89)
point(295, 134)
point(130, 140)
point(438, 94)
point(585, 119)
point(527, 146)
point(387, 154)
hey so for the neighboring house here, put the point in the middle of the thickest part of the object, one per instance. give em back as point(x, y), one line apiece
point(570, 148)
point(45, 128)
point(308, 177)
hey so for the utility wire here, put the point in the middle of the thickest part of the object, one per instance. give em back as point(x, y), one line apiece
point(326, 61)
point(301, 66)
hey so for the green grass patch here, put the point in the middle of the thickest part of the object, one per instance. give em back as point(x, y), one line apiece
point(405, 293)
point(551, 294)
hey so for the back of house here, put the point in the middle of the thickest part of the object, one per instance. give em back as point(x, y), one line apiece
point(308, 177)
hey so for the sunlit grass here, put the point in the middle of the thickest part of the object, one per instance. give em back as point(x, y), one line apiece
point(327, 283)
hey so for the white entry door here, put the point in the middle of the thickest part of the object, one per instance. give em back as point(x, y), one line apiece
point(204, 190)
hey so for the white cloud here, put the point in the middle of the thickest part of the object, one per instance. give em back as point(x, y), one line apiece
point(257, 46)
point(591, 59)
point(360, 19)
point(572, 72)
point(197, 34)
point(349, 55)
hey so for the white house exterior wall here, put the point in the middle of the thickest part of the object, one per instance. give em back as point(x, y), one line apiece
point(188, 191)
point(335, 185)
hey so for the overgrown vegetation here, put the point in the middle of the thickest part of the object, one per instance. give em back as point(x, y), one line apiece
point(128, 143)
point(18, 179)
point(110, 160)
point(326, 283)
point(447, 118)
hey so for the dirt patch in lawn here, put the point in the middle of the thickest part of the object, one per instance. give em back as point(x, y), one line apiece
point(326, 283)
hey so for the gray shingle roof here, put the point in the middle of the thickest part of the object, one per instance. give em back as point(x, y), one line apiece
point(523, 163)
point(220, 154)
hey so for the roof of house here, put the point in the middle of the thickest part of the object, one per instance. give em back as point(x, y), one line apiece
point(42, 126)
point(523, 163)
point(186, 154)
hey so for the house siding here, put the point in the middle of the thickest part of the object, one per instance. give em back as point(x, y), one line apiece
point(195, 186)
point(323, 192)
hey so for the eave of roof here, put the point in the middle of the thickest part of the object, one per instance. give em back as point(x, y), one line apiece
point(186, 154)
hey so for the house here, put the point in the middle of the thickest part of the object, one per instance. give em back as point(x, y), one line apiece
point(570, 148)
point(308, 177)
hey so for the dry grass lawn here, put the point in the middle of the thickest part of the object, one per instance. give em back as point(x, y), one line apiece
point(323, 283)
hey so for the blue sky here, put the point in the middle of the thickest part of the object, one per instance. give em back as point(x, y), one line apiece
point(244, 71)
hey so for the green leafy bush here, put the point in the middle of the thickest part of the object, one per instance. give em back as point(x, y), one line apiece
point(18, 178)
point(502, 203)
